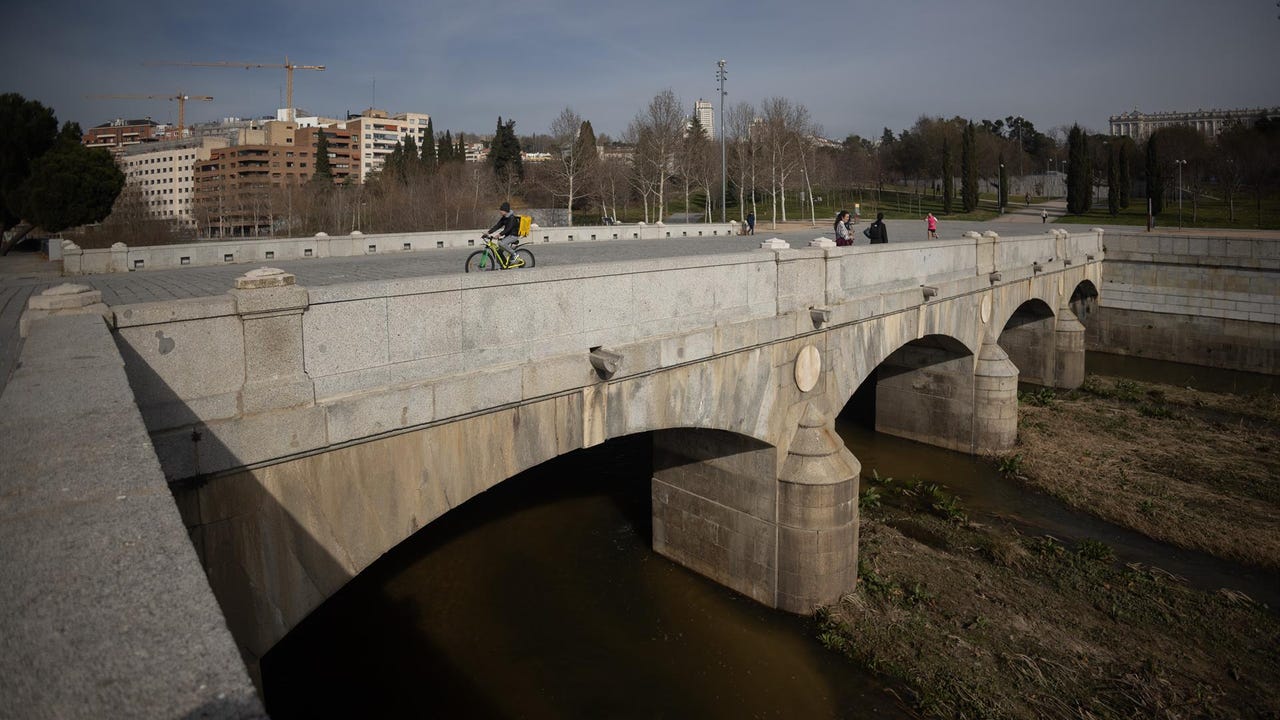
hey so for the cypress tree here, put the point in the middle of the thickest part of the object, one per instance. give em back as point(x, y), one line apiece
point(324, 172)
point(969, 170)
point(948, 186)
point(460, 150)
point(429, 148)
point(1086, 177)
point(1113, 191)
point(1155, 182)
point(504, 155)
point(1002, 190)
point(446, 148)
point(411, 157)
point(1077, 172)
point(1122, 175)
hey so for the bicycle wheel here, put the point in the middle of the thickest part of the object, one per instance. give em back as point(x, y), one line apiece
point(480, 260)
point(526, 256)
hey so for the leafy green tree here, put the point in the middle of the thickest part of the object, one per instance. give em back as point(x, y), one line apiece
point(27, 131)
point(1113, 179)
point(324, 172)
point(948, 183)
point(70, 184)
point(969, 169)
point(1155, 176)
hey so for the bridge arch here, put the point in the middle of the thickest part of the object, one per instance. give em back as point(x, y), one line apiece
point(1027, 335)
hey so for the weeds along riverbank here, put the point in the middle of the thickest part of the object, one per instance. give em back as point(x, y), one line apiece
point(979, 620)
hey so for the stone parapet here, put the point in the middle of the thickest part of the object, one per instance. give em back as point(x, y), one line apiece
point(105, 609)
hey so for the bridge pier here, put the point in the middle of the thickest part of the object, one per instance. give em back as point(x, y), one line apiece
point(1068, 350)
point(786, 537)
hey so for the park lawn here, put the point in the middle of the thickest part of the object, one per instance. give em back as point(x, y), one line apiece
point(1212, 213)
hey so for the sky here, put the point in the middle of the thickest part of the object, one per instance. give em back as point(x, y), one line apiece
point(858, 67)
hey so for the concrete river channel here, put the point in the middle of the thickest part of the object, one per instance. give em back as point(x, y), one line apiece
point(542, 599)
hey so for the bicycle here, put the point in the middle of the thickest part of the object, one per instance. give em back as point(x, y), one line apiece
point(494, 257)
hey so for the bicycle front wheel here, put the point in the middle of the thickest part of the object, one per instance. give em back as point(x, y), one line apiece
point(480, 260)
point(526, 256)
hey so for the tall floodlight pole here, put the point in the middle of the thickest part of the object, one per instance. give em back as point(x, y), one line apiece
point(724, 177)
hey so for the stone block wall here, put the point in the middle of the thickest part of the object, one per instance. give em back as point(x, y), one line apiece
point(1201, 300)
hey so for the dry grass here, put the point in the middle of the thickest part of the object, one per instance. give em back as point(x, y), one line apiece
point(1198, 470)
point(979, 622)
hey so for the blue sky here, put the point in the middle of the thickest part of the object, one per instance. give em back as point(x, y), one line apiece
point(857, 66)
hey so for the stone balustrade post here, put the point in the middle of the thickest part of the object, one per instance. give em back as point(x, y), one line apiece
point(270, 306)
point(985, 251)
point(64, 299)
point(119, 258)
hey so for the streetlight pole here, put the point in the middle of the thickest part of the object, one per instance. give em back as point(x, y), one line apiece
point(1180, 163)
point(1000, 191)
point(724, 176)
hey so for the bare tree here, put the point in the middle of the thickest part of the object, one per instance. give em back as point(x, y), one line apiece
point(566, 173)
point(743, 141)
point(658, 130)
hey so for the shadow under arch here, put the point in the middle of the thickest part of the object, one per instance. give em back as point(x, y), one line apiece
point(923, 390)
point(1028, 337)
point(1084, 301)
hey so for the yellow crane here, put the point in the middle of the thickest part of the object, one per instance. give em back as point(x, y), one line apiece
point(288, 68)
point(182, 99)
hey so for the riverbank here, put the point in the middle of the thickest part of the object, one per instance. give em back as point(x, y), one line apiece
point(979, 620)
point(1195, 469)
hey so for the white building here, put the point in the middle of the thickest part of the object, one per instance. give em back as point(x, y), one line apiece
point(1139, 125)
point(376, 135)
point(706, 117)
point(162, 172)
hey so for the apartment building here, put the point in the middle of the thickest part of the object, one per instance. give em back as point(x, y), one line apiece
point(163, 172)
point(245, 189)
point(120, 133)
point(706, 117)
point(376, 134)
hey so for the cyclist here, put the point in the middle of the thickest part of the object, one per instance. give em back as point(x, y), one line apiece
point(508, 230)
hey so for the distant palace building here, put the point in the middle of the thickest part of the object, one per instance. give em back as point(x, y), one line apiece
point(1138, 125)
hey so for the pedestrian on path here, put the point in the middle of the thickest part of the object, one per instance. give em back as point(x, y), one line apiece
point(1044, 216)
point(876, 231)
point(751, 223)
point(841, 226)
point(933, 226)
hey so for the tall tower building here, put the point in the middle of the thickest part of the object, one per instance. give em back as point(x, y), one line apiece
point(706, 117)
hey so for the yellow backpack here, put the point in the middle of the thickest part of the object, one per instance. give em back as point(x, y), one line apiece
point(525, 222)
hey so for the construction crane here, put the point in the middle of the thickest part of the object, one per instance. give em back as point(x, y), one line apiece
point(288, 68)
point(182, 99)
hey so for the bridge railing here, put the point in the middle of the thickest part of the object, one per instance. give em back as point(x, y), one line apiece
point(123, 258)
point(333, 364)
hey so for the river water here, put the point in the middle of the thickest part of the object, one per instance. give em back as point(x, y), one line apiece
point(542, 599)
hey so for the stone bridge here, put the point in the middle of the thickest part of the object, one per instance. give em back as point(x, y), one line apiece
point(307, 431)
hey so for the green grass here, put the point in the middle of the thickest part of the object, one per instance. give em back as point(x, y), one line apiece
point(1212, 213)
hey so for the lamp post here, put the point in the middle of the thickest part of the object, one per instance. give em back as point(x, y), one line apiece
point(1180, 163)
point(724, 177)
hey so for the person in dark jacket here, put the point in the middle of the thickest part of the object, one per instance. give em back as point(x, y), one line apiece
point(751, 223)
point(877, 230)
point(507, 230)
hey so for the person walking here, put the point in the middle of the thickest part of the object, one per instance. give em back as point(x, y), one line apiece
point(933, 226)
point(1044, 216)
point(877, 231)
point(843, 238)
point(751, 223)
